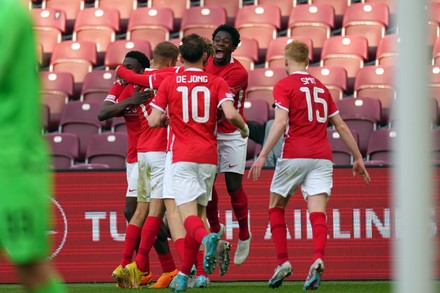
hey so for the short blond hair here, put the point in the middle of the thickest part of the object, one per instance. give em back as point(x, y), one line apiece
point(297, 51)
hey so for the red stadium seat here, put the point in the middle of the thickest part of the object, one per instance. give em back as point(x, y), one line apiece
point(392, 4)
point(78, 58)
point(96, 85)
point(247, 53)
point(177, 6)
point(334, 78)
point(118, 124)
point(98, 25)
point(361, 115)
point(125, 8)
point(285, 7)
point(377, 82)
point(261, 22)
point(436, 52)
point(81, 118)
point(202, 21)
point(380, 145)
point(108, 148)
point(340, 152)
point(49, 25)
point(339, 7)
point(261, 83)
point(369, 20)
point(89, 166)
point(56, 90)
point(70, 8)
point(45, 118)
point(117, 50)
point(349, 52)
point(314, 21)
point(433, 22)
point(256, 111)
point(275, 52)
point(387, 50)
point(231, 7)
point(64, 149)
point(434, 82)
point(153, 25)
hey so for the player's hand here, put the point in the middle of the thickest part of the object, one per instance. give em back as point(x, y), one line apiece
point(140, 97)
point(359, 168)
point(245, 131)
point(165, 120)
point(257, 166)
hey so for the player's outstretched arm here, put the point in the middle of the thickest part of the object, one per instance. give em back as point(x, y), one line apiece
point(348, 139)
point(235, 118)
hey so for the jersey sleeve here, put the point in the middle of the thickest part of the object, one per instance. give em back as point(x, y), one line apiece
point(238, 81)
point(160, 101)
point(281, 96)
point(114, 92)
point(133, 77)
point(224, 93)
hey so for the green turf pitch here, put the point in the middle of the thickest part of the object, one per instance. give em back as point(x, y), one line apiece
point(234, 287)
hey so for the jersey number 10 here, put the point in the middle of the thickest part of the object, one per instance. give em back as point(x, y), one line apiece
point(198, 91)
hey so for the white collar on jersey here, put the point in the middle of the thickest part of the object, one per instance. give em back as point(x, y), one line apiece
point(193, 69)
point(299, 72)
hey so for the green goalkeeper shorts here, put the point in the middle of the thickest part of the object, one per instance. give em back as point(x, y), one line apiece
point(24, 215)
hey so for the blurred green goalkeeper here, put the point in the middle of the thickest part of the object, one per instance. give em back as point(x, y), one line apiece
point(24, 178)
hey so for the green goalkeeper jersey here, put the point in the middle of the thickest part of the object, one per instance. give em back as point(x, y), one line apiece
point(21, 142)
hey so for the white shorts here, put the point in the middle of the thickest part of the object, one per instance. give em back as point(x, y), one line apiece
point(168, 191)
point(193, 181)
point(314, 175)
point(132, 179)
point(232, 150)
point(151, 170)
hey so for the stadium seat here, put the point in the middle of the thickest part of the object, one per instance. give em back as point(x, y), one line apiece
point(369, 20)
point(78, 58)
point(81, 118)
point(339, 7)
point(118, 124)
point(177, 6)
point(256, 111)
point(387, 50)
point(40, 53)
point(340, 152)
point(70, 8)
point(361, 115)
point(45, 117)
point(392, 4)
point(275, 51)
point(153, 25)
point(433, 22)
point(96, 85)
point(89, 166)
point(108, 148)
point(377, 82)
point(124, 7)
point(261, 83)
point(98, 25)
point(247, 53)
point(349, 52)
point(49, 26)
point(261, 22)
point(64, 149)
point(231, 7)
point(285, 7)
point(117, 50)
point(314, 21)
point(436, 52)
point(380, 145)
point(56, 90)
point(202, 21)
point(334, 78)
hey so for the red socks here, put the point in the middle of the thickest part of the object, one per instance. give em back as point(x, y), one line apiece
point(132, 237)
point(149, 234)
point(199, 263)
point(279, 233)
point(319, 229)
point(179, 244)
point(240, 206)
point(167, 262)
point(212, 212)
point(195, 227)
point(191, 248)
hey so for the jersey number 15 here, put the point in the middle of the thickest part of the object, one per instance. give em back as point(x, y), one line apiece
point(320, 117)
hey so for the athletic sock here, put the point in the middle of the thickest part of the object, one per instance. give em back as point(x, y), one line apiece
point(167, 262)
point(179, 244)
point(212, 212)
point(132, 237)
point(319, 229)
point(279, 233)
point(149, 235)
point(199, 263)
point(240, 206)
point(195, 227)
point(191, 248)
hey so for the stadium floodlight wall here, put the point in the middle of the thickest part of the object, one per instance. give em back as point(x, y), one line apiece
point(89, 228)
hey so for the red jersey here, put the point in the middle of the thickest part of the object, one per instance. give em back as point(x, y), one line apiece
point(309, 104)
point(150, 78)
point(236, 76)
point(193, 98)
point(115, 95)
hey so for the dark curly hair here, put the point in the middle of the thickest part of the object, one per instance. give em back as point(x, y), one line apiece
point(229, 29)
point(140, 57)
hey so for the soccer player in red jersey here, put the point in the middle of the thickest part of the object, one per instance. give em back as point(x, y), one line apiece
point(192, 98)
point(304, 107)
point(231, 146)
